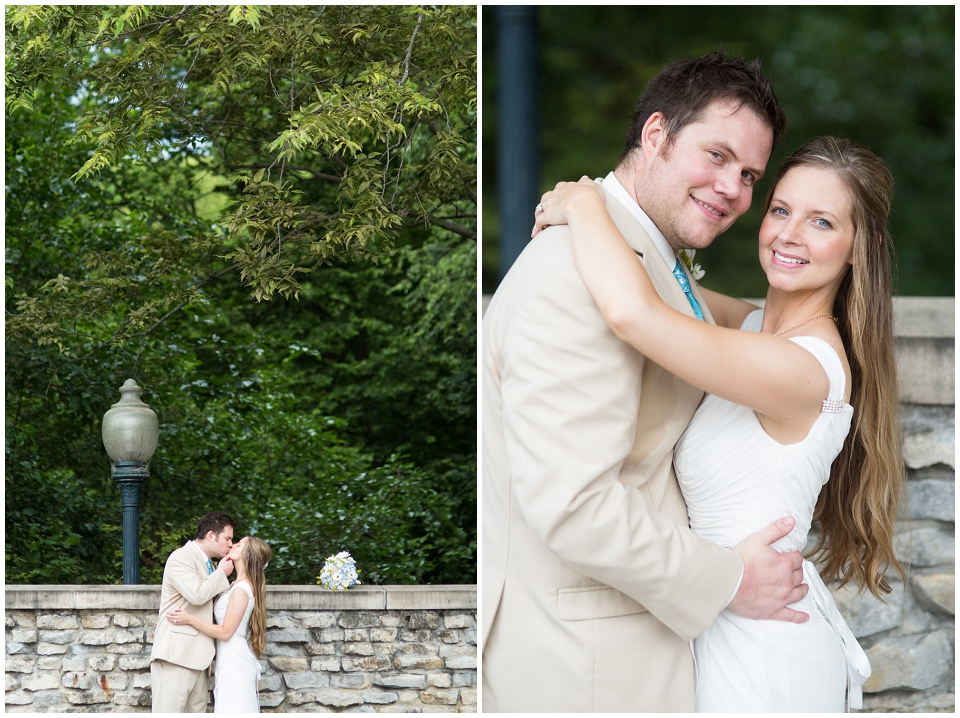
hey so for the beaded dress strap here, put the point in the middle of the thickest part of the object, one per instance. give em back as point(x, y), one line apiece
point(832, 407)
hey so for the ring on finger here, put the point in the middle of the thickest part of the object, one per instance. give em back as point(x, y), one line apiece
point(539, 209)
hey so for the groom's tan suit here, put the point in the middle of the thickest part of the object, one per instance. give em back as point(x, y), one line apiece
point(186, 585)
point(592, 582)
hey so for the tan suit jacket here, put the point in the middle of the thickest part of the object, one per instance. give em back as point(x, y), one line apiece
point(593, 583)
point(187, 585)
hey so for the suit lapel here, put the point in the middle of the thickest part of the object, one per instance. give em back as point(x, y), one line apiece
point(200, 563)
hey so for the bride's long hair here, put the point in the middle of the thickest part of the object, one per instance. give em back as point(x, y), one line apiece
point(256, 553)
point(857, 507)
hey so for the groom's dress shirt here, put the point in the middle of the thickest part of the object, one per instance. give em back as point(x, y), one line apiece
point(611, 184)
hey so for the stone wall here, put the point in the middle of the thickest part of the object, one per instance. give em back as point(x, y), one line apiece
point(910, 638)
point(387, 649)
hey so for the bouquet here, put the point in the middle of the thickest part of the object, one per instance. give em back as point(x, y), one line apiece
point(339, 573)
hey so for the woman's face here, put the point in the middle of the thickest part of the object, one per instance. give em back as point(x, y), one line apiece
point(237, 551)
point(806, 238)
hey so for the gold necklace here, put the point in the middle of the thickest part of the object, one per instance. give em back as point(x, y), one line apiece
point(822, 316)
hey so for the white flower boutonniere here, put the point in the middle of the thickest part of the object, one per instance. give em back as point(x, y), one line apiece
point(694, 270)
point(339, 573)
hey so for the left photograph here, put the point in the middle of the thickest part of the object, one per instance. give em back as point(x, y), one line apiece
point(240, 358)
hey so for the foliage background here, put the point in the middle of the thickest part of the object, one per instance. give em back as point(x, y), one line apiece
point(267, 216)
point(880, 75)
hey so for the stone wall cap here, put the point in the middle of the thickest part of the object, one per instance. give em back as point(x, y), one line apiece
point(431, 597)
point(73, 597)
point(924, 317)
point(310, 598)
point(284, 597)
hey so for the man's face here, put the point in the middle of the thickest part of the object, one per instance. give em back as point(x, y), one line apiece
point(220, 544)
point(697, 187)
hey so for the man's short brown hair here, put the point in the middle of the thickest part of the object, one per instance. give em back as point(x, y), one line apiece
point(684, 89)
point(215, 521)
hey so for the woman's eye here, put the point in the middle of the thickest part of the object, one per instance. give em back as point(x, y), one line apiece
point(715, 155)
point(779, 211)
point(821, 222)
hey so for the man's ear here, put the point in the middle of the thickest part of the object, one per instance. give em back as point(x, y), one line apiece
point(654, 133)
point(211, 536)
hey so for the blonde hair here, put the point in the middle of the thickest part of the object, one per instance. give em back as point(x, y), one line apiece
point(255, 555)
point(857, 507)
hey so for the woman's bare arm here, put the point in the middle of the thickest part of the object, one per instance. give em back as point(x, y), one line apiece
point(776, 378)
point(231, 621)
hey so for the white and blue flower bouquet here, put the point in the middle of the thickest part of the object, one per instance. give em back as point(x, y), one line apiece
point(339, 573)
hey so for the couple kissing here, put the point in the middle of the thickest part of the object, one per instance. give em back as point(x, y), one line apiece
point(194, 593)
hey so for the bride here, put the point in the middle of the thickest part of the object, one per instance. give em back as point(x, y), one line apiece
point(801, 414)
point(241, 629)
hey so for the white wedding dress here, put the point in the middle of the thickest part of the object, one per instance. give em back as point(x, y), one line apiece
point(237, 671)
point(737, 480)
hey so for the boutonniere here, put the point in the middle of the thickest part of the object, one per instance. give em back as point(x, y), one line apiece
point(694, 270)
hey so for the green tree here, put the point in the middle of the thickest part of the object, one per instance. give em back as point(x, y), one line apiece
point(165, 165)
point(334, 126)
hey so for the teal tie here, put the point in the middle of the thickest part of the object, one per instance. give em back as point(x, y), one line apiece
point(685, 286)
point(209, 566)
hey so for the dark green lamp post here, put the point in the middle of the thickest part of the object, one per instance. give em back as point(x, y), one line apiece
point(130, 433)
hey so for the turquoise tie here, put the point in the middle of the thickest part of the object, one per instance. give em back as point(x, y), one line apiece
point(685, 286)
point(209, 566)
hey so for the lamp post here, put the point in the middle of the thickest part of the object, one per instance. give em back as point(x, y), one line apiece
point(518, 152)
point(130, 433)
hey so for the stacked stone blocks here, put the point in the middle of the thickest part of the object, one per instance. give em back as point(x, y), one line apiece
point(316, 660)
point(389, 661)
point(909, 639)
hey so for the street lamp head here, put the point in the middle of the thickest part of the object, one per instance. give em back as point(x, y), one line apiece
point(130, 427)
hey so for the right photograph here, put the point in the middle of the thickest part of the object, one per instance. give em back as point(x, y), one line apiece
point(718, 425)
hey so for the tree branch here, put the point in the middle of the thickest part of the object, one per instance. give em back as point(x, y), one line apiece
point(455, 228)
point(212, 278)
point(406, 60)
point(298, 168)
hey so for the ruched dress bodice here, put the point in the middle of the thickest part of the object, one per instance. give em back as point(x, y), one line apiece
point(736, 479)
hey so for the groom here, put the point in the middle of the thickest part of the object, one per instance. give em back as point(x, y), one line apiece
point(592, 582)
point(181, 655)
